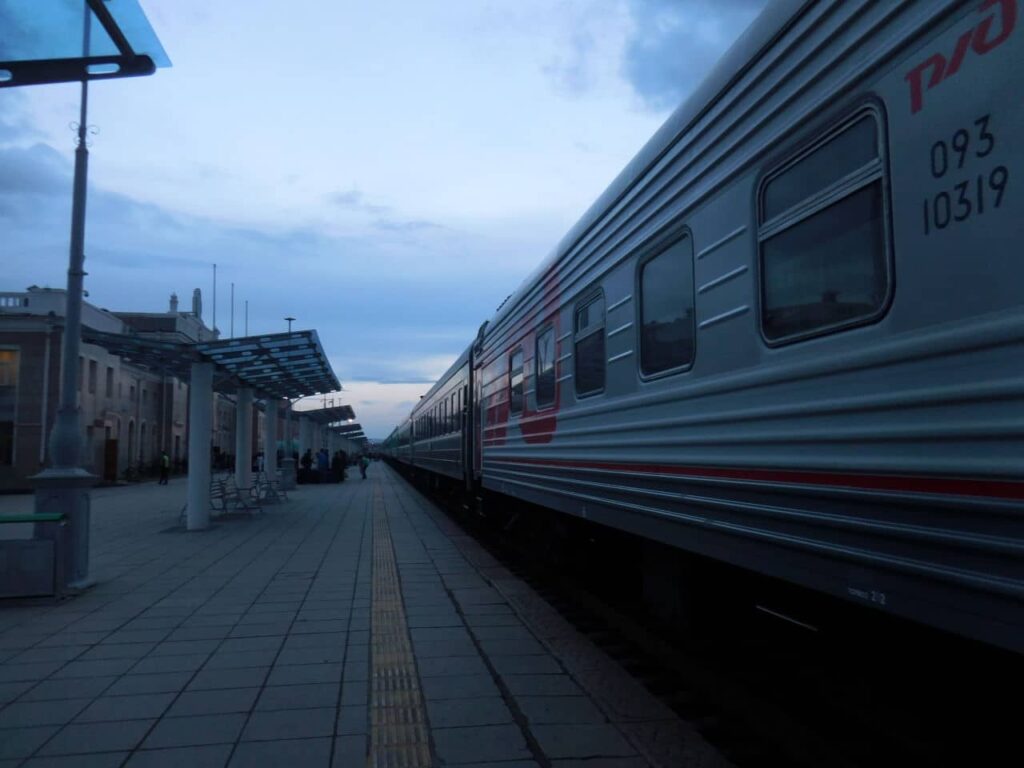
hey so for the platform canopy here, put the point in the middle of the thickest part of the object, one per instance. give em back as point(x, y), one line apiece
point(59, 41)
point(332, 414)
point(279, 365)
point(284, 365)
point(352, 432)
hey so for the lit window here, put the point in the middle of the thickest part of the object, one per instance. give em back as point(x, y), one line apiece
point(8, 400)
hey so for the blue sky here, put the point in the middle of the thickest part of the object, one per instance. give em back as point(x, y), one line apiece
point(386, 172)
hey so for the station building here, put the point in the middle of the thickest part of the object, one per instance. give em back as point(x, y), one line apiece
point(129, 413)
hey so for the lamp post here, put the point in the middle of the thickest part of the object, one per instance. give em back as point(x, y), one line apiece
point(64, 487)
point(290, 321)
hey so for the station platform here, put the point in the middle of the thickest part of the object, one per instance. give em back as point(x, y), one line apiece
point(352, 625)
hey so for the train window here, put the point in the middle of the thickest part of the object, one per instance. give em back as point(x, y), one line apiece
point(515, 382)
point(667, 332)
point(544, 363)
point(839, 156)
point(589, 351)
point(824, 261)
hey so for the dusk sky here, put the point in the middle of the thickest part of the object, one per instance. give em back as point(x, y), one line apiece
point(385, 172)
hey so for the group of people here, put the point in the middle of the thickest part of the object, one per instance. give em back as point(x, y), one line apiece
point(337, 463)
point(327, 463)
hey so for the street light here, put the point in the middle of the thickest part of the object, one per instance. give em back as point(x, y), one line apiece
point(290, 321)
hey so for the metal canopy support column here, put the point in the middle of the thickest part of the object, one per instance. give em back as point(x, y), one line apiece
point(243, 438)
point(270, 439)
point(200, 409)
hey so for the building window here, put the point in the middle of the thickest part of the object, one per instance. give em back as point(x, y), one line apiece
point(92, 377)
point(544, 387)
point(589, 351)
point(667, 331)
point(9, 370)
point(824, 260)
point(81, 372)
point(131, 393)
point(515, 382)
point(110, 381)
point(145, 396)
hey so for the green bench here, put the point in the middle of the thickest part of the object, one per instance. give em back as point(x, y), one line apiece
point(47, 517)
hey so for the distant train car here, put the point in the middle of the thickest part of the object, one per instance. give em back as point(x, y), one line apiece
point(790, 335)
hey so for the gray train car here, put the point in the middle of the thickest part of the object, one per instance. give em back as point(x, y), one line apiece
point(437, 437)
point(790, 335)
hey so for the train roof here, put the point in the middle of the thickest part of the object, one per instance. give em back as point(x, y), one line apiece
point(761, 33)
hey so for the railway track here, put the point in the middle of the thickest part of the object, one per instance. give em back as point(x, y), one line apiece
point(776, 676)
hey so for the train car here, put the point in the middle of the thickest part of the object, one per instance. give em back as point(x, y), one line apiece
point(437, 438)
point(790, 335)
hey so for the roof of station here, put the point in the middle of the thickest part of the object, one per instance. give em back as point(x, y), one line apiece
point(57, 42)
point(329, 415)
point(279, 365)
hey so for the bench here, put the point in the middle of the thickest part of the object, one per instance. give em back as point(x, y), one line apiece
point(34, 566)
point(224, 494)
point(226, 497)
point(268, 491)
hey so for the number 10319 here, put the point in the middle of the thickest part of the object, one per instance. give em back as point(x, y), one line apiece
point(971, 197)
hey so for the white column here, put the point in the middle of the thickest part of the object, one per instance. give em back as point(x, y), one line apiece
point(270, 439)
point(243, 438)
point(200, 410)
point(288, 468)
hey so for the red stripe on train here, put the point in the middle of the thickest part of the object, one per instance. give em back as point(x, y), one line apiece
point(1001, 489)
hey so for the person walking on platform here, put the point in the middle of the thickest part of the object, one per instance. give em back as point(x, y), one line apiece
point(364, 463)
point(165, 467)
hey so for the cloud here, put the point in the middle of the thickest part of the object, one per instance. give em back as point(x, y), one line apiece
point(392, 225)
point(571, 70)
point(676, 44)
point(354, 200)
point(589, 38)
point(14, 123)
point(36, 170)
point(390, 306)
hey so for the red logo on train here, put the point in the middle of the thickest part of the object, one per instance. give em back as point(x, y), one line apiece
point(981, 39)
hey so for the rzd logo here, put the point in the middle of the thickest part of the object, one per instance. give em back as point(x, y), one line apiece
point(981, 40)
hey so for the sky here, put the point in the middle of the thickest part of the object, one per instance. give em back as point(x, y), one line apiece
point(387, 172)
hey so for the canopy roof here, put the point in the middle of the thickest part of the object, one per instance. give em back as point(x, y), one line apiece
point(329, 415)
point(57, 41)
point(280, 365)
point(352, 432)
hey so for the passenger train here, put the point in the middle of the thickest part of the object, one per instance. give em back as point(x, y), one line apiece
point(790, 335)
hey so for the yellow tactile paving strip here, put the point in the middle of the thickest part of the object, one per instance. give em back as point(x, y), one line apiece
point(399, 737)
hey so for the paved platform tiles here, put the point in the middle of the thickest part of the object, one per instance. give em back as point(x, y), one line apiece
point(354, 625)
